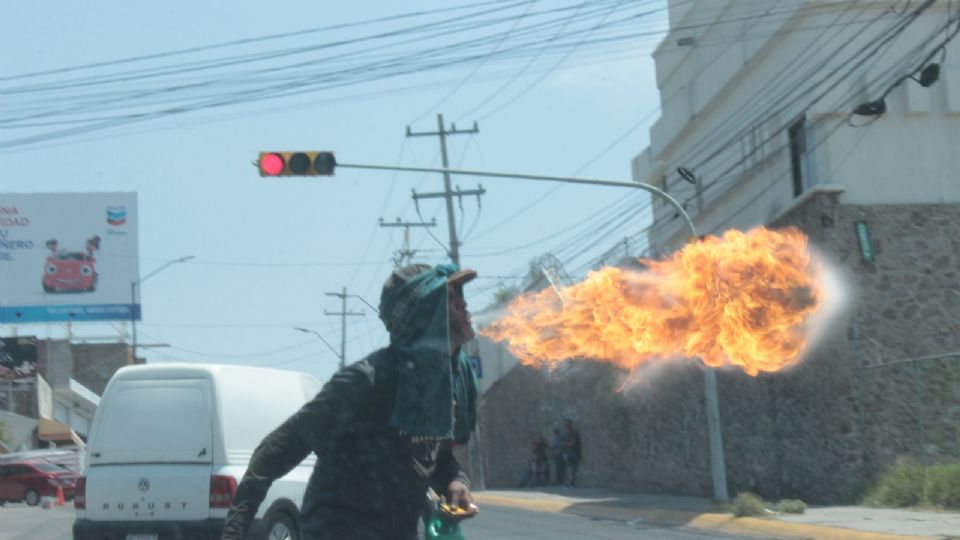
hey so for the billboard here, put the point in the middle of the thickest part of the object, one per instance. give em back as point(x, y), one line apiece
point(18, 358)
point(67, 256)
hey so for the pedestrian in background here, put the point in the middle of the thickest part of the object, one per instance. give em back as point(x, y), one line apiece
point(536, 472)
point(555, 452)
point(571, 450)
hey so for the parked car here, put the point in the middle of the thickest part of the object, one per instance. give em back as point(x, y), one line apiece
point(28, 481)
point(170, 442)
point(70, 271)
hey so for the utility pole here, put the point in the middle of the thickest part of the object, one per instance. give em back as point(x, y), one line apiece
point(343, 322)
point(405, 255)
point(447, 193)
point(454, 252)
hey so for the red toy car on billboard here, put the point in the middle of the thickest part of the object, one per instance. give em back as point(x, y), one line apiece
point(71, 270)
point(27, 481)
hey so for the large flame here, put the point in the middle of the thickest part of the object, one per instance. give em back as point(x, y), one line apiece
point(743, 299)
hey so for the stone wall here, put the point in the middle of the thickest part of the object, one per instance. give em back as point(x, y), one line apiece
point(823, 430)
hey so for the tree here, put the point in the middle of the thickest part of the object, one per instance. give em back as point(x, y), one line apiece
point(504, 295)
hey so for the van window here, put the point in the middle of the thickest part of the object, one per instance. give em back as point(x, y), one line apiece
point(251, 409)
point(155, 421)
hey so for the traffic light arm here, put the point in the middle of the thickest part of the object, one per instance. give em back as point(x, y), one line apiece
point(564, 179)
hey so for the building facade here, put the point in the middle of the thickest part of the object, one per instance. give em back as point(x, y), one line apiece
point(756, 129)
point(54, 396)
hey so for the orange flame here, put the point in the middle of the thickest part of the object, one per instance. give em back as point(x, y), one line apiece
point(742, 299)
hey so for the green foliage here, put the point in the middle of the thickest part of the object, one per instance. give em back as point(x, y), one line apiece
point(791, 506)
point(943, 486)
point(903, 486)
point(748, 504)
point(504, 295)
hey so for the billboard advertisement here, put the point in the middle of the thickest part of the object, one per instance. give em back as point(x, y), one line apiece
point(67, 256)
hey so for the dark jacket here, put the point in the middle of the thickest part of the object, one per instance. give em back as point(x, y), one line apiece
point(369, 481)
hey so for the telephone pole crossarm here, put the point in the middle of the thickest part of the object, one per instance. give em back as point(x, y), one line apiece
point(452, 131)
point(458, 193)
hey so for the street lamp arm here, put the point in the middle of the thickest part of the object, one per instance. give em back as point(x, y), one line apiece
point(314, 332)
point(165, 265)
point(563, 179)
point(133, 302)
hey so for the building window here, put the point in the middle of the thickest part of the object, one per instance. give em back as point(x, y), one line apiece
point(797, 133)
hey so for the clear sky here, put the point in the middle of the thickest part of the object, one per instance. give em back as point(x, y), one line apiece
point(558, 87)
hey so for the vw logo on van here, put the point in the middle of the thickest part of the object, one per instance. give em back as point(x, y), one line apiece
point(143, 485)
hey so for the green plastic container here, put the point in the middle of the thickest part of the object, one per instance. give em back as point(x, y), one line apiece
point(437, 529)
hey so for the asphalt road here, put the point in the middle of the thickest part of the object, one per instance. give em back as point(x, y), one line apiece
point(21, 522)
point(499, 523)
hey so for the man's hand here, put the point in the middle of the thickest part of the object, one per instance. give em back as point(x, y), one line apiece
point(459, 493)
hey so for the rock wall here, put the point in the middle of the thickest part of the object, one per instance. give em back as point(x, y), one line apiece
point(881, 386)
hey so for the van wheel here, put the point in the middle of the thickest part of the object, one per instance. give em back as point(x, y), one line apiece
point(280, 527)
point(31, 497)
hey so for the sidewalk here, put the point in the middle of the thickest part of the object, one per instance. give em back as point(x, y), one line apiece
point(833, 523)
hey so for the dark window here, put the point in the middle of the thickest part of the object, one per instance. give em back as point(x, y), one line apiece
point(798, 153)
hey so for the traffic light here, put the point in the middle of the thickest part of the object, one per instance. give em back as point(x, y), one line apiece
point(296, 163)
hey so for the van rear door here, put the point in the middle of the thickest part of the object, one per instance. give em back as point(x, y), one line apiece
point(150, 458)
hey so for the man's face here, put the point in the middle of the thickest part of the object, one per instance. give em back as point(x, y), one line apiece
point(461, 327)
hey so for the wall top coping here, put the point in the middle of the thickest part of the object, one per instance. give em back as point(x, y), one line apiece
point(806, 196)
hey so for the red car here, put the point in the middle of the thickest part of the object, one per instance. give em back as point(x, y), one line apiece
point(70, 271)
point(28, 481)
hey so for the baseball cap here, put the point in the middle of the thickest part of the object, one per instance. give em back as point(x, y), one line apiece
point(402, 275)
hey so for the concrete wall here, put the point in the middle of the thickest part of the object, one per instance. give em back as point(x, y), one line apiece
point(823, 430)
point(19, 431)
point(94, 364)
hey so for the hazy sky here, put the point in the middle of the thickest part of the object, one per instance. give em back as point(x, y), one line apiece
point(558, 87)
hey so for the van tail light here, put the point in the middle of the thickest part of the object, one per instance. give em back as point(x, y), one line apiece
point(222, 489)
point(80, 496)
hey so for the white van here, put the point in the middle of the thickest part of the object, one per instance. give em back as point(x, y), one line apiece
point(170, 442)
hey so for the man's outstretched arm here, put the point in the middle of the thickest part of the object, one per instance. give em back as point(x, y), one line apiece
point(277, 455)
point(333, 408)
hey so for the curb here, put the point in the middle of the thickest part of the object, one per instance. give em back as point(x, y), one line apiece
point(677, 518)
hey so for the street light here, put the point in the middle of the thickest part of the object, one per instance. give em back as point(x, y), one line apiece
point(314, 332)
point(133, 300)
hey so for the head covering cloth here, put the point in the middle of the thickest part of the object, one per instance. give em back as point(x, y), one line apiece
point(436, 394)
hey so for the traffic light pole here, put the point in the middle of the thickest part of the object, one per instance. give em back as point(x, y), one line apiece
point(718, 468)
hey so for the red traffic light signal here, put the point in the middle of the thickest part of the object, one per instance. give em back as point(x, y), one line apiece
point(297, 163)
